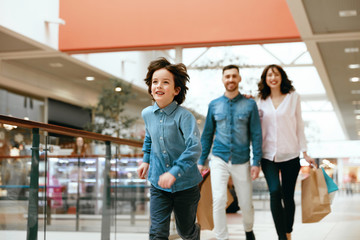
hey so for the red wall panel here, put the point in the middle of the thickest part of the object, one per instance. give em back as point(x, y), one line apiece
point(110, 25)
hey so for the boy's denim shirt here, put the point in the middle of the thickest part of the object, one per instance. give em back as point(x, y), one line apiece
point(172, 144)
point(235, 123)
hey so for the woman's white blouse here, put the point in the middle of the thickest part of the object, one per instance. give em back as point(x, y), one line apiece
point(282, 128)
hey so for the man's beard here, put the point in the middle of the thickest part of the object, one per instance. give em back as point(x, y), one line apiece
point(232, 88)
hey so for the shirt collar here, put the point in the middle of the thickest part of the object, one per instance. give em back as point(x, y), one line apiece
point(168, 109)
point(238, 97)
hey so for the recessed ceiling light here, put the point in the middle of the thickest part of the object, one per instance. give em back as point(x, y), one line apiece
point(118, 89)
point(354, 79)
point(355, 91)
point(351, 50)
point(56, 65)
point(359, 133)
point(354, 66)
point(347, 13)
point(90, 78)
point(357, 117)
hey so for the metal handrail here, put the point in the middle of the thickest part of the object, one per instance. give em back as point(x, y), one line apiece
point(32, 226)
point(3, 157)
point(66, 131)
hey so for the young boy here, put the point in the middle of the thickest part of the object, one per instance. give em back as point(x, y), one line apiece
point(171, 150)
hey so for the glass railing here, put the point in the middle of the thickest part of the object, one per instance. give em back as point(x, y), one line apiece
point(52, 183)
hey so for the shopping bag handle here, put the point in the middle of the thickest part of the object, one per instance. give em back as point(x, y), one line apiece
point(313, 166)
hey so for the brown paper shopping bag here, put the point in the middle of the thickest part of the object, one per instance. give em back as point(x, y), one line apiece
point(315, 201)
point(205, 212)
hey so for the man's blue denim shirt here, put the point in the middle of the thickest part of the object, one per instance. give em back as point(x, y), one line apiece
point(235, 123)
point(172, 144)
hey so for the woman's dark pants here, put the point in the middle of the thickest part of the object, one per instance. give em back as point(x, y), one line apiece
point(281, 179)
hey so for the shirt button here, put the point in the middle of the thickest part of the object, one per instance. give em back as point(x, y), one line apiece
point(161, 120)
point(161, 138)
point(161, 110)
point(167, 165)
point(164, 151)
point(179, 174)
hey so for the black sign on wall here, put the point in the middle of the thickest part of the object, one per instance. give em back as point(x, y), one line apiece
point(67, 115)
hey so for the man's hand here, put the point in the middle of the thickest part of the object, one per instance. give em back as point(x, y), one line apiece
point(254, 172)
point(142, 170)
point(166, 180)
point(200, 167)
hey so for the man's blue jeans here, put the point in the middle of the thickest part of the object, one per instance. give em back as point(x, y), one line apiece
point(184, 203)
point(282, 202)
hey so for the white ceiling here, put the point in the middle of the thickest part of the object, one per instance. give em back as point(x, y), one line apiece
point(36, 59)
point(329, 38)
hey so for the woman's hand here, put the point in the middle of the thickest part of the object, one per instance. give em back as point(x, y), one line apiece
point(248, 96)
point(310, 160)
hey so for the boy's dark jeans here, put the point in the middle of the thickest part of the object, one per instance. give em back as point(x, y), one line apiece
point(282, 202)
point(183, 203)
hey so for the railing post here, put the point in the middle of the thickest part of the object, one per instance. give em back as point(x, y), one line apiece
point(106, 209)
point(32, 223)
point(77, 227)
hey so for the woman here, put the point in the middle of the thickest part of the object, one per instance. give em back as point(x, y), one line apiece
point(80, 148)
point(283, 139)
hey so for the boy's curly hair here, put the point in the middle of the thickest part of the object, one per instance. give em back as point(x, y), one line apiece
point(178, 71)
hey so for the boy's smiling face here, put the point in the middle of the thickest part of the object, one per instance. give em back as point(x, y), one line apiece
point(163, 87)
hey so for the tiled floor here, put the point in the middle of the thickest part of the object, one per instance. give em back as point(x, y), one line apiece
point(343, 223)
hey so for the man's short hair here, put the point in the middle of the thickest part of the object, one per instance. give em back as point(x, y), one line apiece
point(231, 66)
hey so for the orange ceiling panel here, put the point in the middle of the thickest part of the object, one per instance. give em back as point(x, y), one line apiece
point(113, 25)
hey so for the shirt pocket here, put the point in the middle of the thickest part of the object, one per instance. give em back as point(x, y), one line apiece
point(220, 121)
point(242, 121)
